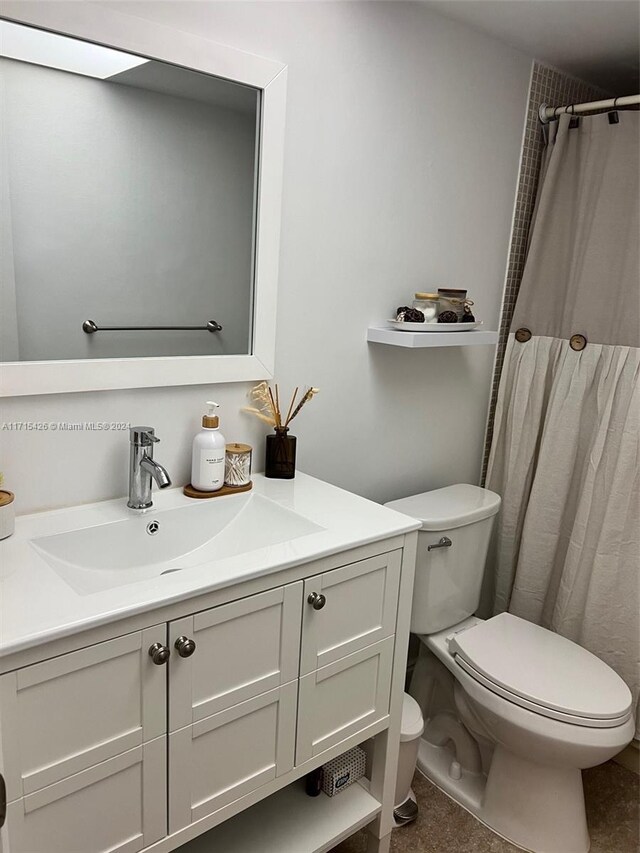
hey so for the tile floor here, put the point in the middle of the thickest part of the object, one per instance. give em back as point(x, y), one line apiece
point(611, 793)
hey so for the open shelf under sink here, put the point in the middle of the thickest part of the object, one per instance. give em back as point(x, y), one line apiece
point(291, 822)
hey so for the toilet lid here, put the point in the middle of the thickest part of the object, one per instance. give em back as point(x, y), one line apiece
point(542, 671)
point(450, 507)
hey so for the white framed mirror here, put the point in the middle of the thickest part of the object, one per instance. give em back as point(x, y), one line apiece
point(181, 142)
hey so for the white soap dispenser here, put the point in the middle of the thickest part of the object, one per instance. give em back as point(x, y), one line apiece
point(207, 461)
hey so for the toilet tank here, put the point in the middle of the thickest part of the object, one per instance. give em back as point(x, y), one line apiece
point(448, 578)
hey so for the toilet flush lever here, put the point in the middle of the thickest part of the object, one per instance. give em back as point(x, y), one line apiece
point(444, 542)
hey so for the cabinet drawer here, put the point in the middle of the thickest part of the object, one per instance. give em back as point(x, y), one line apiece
point(243, 649)
point(226, 756)
point(64, 715)
point(119, 806)
point(342, 698)
point(360, 609)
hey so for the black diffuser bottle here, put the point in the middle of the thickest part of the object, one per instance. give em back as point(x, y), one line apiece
point(280, 460)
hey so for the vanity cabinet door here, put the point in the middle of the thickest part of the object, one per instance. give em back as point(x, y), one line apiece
point(225, 756)
point(65, 715)
point(358, 608)
point(339, 700)
point(242, 649)
point(118, 806)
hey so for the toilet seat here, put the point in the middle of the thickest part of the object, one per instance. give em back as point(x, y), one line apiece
point(541, 671)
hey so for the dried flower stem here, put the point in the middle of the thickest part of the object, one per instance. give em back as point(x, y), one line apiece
point(267, 404)
point(258, 414)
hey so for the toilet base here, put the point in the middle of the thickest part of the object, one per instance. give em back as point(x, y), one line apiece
point(538, 808)
point(435, 763)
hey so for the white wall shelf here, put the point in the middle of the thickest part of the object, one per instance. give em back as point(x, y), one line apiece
point(394, 338)
point(291, 822)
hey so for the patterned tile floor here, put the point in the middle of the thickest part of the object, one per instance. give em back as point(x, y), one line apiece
point(612, 797)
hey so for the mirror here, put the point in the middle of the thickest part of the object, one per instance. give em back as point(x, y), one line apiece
point(141, 187)
point(130, 190)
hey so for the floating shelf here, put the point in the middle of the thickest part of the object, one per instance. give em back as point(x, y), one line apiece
point(394, 338)
point(290, 822)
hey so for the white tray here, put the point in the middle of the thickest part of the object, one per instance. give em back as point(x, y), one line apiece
point(434, 327)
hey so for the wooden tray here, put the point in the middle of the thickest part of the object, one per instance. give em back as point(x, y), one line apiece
point(190, 492)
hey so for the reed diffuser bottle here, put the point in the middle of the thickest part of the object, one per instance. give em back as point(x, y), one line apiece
point(280, 458)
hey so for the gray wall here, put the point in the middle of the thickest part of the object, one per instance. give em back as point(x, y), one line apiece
point(401, 156)
point(128, 207)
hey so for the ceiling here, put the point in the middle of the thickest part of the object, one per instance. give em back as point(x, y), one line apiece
point(595, 40)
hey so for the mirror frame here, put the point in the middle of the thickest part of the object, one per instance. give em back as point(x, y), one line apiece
point(157, 41)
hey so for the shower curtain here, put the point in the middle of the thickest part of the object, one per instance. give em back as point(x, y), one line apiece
point(565, 455)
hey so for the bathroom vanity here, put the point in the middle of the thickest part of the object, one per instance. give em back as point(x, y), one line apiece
point(169, 677)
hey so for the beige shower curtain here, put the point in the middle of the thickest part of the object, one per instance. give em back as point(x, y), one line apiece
point(565, 455)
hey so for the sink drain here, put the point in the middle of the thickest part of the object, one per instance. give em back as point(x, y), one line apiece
point(153, 527)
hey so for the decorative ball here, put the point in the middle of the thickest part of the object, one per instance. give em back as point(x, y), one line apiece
point(409, 315)
point(448, 317)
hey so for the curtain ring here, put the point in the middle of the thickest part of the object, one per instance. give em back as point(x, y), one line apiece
point(615, 101)
point(572, 107)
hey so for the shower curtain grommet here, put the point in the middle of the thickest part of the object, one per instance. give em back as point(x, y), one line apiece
point(577, 342)
point(523, 335)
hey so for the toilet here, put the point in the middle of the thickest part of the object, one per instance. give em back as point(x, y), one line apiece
point(512, 711)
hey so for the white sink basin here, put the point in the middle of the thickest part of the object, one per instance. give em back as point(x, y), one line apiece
point(147, 546)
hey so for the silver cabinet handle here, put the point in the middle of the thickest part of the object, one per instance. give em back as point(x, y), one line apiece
point(159, 654)
point(185, 647)
point(317, 600)
point(444, 542)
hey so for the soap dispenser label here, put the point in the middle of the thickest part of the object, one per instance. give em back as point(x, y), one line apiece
point(212, 467)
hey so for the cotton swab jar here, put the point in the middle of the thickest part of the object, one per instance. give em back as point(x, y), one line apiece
point(237, 465)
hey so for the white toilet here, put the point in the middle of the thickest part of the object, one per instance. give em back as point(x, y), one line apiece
point(512, 711)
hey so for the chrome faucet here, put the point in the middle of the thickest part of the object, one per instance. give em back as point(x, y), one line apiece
point(142, 468)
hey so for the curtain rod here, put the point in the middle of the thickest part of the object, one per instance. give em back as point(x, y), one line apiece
point(547, 113)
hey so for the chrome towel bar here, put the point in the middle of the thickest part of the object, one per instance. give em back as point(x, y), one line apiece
point(89, 327)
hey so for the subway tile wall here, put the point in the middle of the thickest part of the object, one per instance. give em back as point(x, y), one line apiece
point(552, 87)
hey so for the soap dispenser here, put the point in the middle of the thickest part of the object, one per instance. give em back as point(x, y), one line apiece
point(207, 460)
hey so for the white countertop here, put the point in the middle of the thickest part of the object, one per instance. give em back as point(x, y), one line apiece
point(37, 605)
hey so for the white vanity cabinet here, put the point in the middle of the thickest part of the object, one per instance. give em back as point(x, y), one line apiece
point(83, 749)
point(347, 651)
point(128, 743)
point(232, 701)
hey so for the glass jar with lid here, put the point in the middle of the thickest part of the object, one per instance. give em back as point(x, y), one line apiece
point(237, 465)
point(452, 299)
point(428, 304)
